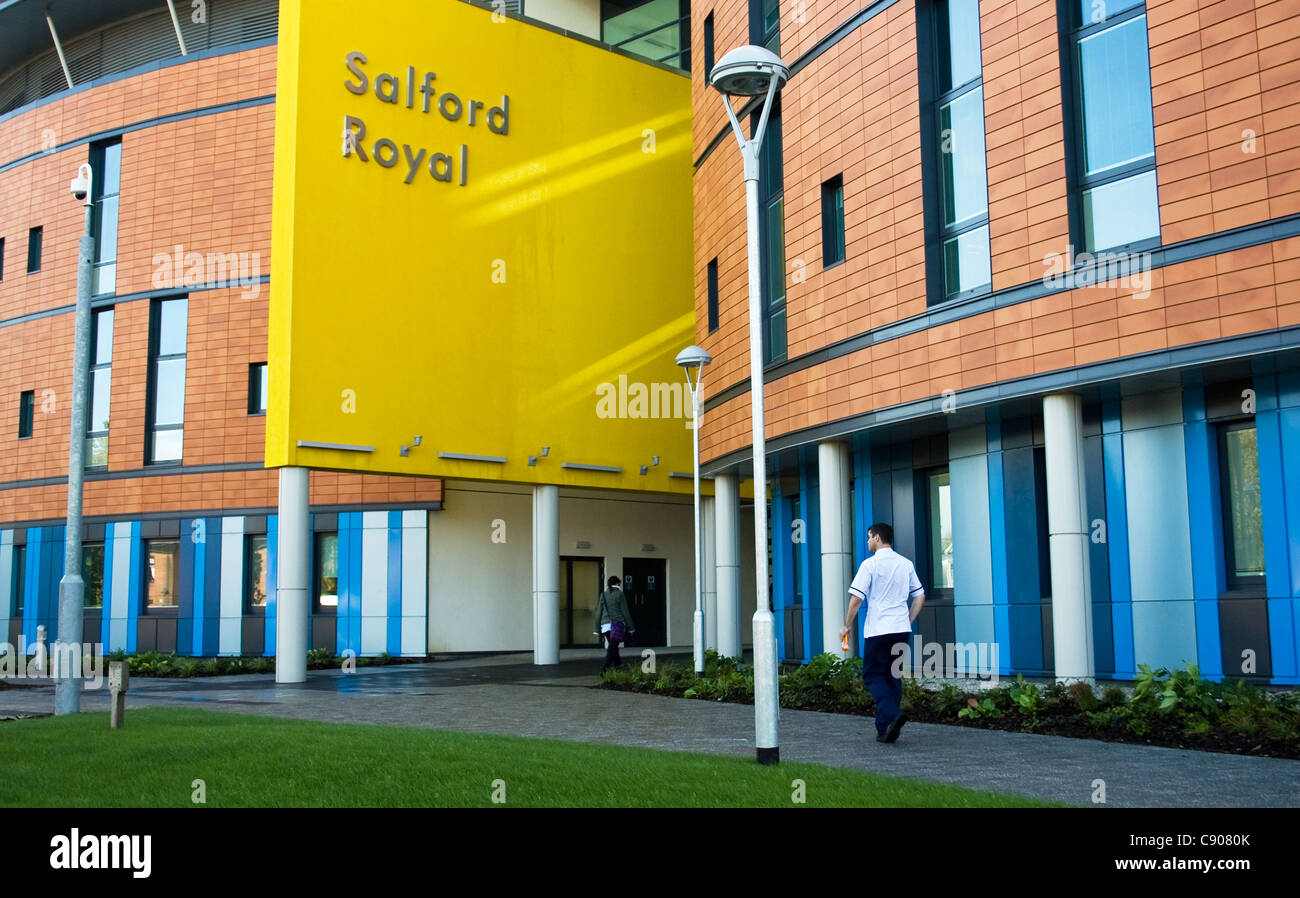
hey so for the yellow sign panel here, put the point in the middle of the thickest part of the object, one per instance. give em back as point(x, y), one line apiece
point(481, 251)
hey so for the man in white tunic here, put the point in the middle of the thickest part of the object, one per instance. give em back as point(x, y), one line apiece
point(886, 581)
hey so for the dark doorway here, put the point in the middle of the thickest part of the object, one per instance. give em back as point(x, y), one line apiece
point(580, 586)
point(647, 598)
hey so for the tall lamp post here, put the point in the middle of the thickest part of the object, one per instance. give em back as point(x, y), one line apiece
point(72, 589)
point(696, 357)
point(756, 72)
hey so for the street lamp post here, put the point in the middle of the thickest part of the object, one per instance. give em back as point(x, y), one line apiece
point(753, 72)
point(72, 589)
point(697, 358)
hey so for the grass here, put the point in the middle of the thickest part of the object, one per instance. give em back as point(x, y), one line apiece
point(254, 761)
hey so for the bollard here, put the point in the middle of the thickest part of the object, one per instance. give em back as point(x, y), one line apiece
point(39, 663)
point(119, 678)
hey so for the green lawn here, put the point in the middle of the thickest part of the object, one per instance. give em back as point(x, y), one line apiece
point(252, 761)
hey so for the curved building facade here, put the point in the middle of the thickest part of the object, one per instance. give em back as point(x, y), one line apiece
point(175, 109)
point(1030, 295)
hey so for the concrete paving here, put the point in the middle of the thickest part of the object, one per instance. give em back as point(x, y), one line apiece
point(508, 695)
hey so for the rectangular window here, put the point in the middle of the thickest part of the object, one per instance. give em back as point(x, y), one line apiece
point(939, 523)
point(20, 578)
point(2, 258)
point(1113, 136)
point(257, 563)
point(962, 229)
point(92, 574)
point(34, 237)
point(765, 24)
point(771, 187)
point(708, 45)
point(161, 560)
point(327, 572)
point(1243, 519)
point(257, 382)
point(26, 413)
point(106, 162)
point(833, 221)
point(713, 295)
point(163, 441)
point(101, 388)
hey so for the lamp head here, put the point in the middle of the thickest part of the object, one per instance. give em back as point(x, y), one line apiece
point(693, 357)
point(80, 186)
point(746, 72)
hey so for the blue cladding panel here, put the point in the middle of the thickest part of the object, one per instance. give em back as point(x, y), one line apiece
point(882, 496)
point(1160, 559)
point(106, 618)
point(1277, 561)
point(185, 575)
point(394, 637)
point(812, 549)
point(1021, 528)
point(211, 573)
point(342, 632)
point(201, 598)
point(1201, 461)
point(1103, 645)
point(998, 549)
point(32, 585)
point(1121, 608)
point(904, 521)
point(1289, 431)
point(133, 601)
point(272, 550)
point(781, 565)
point(1166, 632)
point(355, 550)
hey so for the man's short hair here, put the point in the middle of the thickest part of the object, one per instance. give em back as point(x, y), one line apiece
point(614, 581)
point(884, 532)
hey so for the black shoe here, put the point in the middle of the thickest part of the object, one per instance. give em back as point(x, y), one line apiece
point(881, 738)
point(895, 725)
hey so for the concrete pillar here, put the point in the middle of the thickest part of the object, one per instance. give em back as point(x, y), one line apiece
point(292, 578)
point(546, 574)
point(727, 523)
point(1067, 528)
point(837, 540)
point(709, 563)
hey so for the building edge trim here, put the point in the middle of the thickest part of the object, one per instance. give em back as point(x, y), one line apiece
point(252, 511)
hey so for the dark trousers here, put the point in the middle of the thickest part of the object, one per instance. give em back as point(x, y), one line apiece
point(611, 652)
point(878, 659)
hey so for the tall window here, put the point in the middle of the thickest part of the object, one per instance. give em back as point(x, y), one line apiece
point(765, 24)
point(771, 192)
point(2, 258)
point(34, 239)
point(1113, 135)
point(92, 574)
point(963, 232)
point(796, 513)
point(106, 161)
point(327, 572)
point(161, 560)
point(26, 413)
point(257, 383)
point(1239, 491)
point(20, 578)
point(833, 221)
point(708, 45)
point(256, 567)
point(101, 388)
point(939, 525)
point(713, 294)
point(167, 380)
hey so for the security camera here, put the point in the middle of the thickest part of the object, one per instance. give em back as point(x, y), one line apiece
point(80, 186)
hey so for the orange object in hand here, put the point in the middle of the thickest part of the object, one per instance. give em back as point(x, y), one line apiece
point(844, 642)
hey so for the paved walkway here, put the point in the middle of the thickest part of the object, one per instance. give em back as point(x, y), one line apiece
point(508, 695)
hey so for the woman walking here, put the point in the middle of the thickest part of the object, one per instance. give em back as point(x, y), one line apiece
point(615, 622)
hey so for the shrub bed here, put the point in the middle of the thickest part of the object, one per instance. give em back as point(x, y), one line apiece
point(1176, 708)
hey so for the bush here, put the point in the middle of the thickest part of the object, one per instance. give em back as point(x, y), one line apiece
point(1082, 696)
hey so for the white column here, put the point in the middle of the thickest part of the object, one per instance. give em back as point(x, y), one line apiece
point(292, 578)
point(727, 523)
point(837, 538)
point(707, 510)
point(1067, 528)
point(546, 574)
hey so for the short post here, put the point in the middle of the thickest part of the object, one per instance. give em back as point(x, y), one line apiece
point(119, 678)
point(40, 664)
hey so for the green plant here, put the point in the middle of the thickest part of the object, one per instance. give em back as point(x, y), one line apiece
point(209, 667)
point(1112, 695)
point(949, 700)
point(979, 708)
point(187, 667)
point(1082, 696)
point(1028, 699)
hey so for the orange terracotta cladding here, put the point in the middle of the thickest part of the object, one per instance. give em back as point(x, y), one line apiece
point(1227, 112)
point(1226, 295)
point(197, 185)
